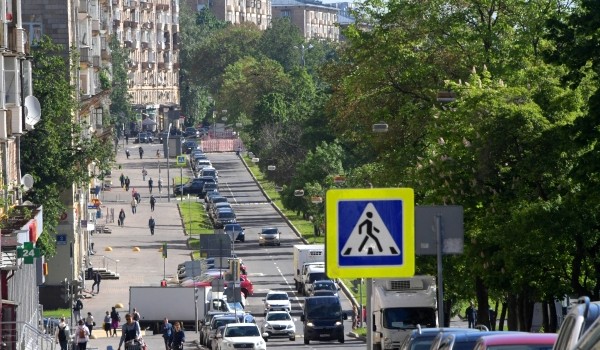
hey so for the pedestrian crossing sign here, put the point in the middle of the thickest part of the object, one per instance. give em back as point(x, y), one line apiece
point(370, 233)
point(181, 160)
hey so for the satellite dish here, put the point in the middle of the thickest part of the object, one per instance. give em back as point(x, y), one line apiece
point(33, 110)
point(27, 181)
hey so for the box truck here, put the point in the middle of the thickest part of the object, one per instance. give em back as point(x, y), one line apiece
point(401, 305)
point(306, 254)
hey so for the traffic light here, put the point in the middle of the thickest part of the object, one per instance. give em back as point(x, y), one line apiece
point(64, 290)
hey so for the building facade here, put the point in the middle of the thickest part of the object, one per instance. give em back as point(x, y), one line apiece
point(239, 11)
point(316, 20)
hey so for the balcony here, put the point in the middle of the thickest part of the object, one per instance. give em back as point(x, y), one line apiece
point(130, 4)
point(148, 25)
point(84, 6)
point(162, 7)
point(145, 45)
point(16, 40)
point(146, 66)
point(96, 61)
point(85, 55)
point(96, 26)
point(21, 224)
point(176, 66)
point(130, 24)
point(146, 5)
point(105, 54)
point(115, 2)
point(161, 66)
point(133, 65)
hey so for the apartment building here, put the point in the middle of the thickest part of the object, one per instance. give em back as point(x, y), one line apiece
point(315, 19)
point(239, 11)
point(20, 225)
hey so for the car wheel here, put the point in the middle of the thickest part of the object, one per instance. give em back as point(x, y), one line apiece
point(242, 239)
point(293, 338)
point(341, 340)
point(306, 340)
point(278, 244)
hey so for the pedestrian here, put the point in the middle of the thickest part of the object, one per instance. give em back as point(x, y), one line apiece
point(152, 202)
point(122, 217)
point(126, 139)
point(133, 205)
point(167, 332)
point(77, 309)
point(159, 185)
point(136, 315)
point(115, 318)
point(492, 319)
point(82, 335)
point(150, 183)
point(130, 332)
point(122, 179)
point(63, 334)
point(106, 324)
point(144, 173)
point(97, 279)
point(141, 150)
point(138, 197)
point(471, 314)
point(151, 224)
point(127, 182)
point(89, 322)
point(178, 337)
point(355, 317)
point(127, 153)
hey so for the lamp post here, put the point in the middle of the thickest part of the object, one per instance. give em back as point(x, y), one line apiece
point(302, 50)
point(168, 166)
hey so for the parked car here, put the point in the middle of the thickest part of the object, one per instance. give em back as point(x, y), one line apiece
point(216, 207)
point(223, 218)
point(199, 164)
point(210, 171)
point(279, 323)
point(192, 187)
point(526, 341)
point(246, 335)
point(215, 323)
point(189, 146)
point(422, 338)
point(277, 301)
point(269, 236)
point(191, 132)
point(578, 320)
point(465, 341)
point(208, 187)
point(235, 231)
point(144, 137)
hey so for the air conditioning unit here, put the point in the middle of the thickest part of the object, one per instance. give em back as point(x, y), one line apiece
point(16, 120)
point(4, 124)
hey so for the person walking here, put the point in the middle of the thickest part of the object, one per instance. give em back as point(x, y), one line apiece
point(136, 315)
point(82, 335)
point(130, 331)
point(144, 173)
point(107, 324)
point(178, 337)
point(138, 197)
point(127, 183)
point(97, 280)
point(159, 185)
point(152, 202)
point(122, 179)
point(115, 318)
point(355, 317)
point(63, 334)
point(141, 150)
point(151, 224)
point(127, 153)
point(77, 310)
point(126, 139)
point(89, 322)
point(471, 314)
point(121, 217)
point(167, 332)
point(150, 184)
point(133, 205)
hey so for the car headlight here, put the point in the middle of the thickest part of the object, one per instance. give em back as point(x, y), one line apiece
point(267, 306)
point(267, 325)
point(260, 343)
point(290, 326)
point(310, 324)
point(338, 323)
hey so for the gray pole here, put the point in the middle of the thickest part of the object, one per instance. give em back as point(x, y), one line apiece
point(369, 319)
point(440, 279)
point(168, 166)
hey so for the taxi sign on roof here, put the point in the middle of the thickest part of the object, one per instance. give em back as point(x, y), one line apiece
point(370, 233)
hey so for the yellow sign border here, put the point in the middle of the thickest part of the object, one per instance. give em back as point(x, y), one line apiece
point(332, 244)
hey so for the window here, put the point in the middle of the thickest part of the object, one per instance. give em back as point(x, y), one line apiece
point(11, 81)
point(285, 13)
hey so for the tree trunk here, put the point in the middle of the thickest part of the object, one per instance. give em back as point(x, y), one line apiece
point(513, 311)
point(553, 325)
point(502, 316)
point(483, 308)
point(447, 313)
point(545, 317)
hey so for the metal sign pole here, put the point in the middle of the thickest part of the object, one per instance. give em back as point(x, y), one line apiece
point(369, 320)
point(439, 239)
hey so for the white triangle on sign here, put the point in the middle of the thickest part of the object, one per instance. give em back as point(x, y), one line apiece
point(370, 236)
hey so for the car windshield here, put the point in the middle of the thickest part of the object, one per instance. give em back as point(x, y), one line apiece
point(324, 286)
point(279, 316)
point(221, 321)
point(403, 318)
point(269, 231)
point(278, 296)
point(233, 228)
point(323, 309)
point(242, 332)
point(226, 215)
point(315, 276)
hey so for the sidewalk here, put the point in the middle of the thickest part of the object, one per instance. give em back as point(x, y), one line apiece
point(143, 267)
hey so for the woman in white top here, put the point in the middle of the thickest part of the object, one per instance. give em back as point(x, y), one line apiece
point(89, 322)
point(82, 335)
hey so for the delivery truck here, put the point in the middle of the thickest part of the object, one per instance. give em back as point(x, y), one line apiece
point(401, 305)
point(306, 254)
point(154, 303)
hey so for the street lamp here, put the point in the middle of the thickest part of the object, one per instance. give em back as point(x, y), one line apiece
point(168, 166)
point(303, 49)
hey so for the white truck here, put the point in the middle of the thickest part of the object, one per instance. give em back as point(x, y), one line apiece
point(154, 303)
point(400, 305)
point(311, 274)
point(305, 254)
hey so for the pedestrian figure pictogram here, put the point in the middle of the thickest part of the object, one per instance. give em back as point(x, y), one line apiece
point(370, 236)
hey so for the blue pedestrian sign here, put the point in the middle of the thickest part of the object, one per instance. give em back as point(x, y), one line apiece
point(370, 233)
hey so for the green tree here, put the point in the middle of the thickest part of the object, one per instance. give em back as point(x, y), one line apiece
point(121, 107)
point(54, 152)
point(282, 42)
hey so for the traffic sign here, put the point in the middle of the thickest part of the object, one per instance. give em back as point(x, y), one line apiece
point(370, 233)
point(181, 160)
